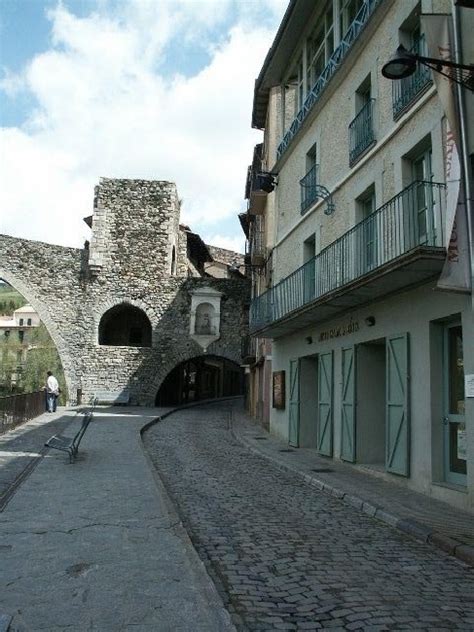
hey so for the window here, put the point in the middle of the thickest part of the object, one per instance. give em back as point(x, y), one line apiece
point(309, 182)
point(21, 336)
point(28, 322)
point(21, 322)
point(319, 47)
point(173, 261)
point(361, 128)
point(348, 9)
point(423, 198)
point(407, 91)
point(7, 333)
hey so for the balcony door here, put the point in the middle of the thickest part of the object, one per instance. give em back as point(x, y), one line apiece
point(423, 202)
point(368, 235)
point(455, 464)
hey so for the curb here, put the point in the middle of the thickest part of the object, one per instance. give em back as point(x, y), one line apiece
point(409, 526)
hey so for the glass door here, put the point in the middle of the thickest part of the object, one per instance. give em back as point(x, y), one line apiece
point(369, 234)
point(423, 199)
point(454, 421)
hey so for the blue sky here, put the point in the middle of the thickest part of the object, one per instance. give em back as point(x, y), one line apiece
point(127, 88)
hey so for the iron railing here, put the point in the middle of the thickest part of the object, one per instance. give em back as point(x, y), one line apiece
point(361, 131)
point(406, 91)
point(257, 241)
point(333, 64)
point(248, 350)
point(309, 188)
point(410, 219)
point(16, 409)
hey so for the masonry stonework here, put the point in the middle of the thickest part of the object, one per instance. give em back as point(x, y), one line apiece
point(135, 227)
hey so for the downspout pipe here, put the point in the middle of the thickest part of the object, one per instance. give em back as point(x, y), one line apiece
point(464, 148)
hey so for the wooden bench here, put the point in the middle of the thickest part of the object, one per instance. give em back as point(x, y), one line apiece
point(70, 444)
point(112, 397)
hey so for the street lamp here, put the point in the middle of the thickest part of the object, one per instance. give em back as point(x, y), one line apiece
point(403, 64)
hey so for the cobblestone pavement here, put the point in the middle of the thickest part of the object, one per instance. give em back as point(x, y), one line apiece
point(286, 556)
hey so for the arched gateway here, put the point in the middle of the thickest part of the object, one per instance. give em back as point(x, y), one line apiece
point(203, 377)
point(120, 310)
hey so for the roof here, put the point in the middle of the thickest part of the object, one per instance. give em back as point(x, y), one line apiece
point(26, 309)
point(245, 223)
point(229, 257)
point(198, 250)
point(297, 15)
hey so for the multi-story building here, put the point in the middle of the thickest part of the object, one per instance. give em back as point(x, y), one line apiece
point(372, 358)
point(15, 343)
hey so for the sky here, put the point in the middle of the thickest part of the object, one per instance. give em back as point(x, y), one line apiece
point(152, 89)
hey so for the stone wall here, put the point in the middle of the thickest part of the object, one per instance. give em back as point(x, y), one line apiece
point(135, 225)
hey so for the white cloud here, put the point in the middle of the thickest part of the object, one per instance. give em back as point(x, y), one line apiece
point(106, 109)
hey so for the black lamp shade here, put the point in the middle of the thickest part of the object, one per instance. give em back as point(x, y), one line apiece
point(401, 65)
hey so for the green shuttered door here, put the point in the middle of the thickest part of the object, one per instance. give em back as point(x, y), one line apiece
point(348, 405)
point(397, 411)
point(325, 398)
point(293, 431)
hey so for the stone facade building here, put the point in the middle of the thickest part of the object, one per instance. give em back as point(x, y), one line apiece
point(119, 310)
point(372, 359)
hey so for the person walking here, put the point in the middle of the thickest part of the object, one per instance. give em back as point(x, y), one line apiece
point(52, 392)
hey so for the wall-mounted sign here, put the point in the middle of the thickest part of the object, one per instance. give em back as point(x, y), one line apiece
point(341, 330)
point(469, 385)
point(279, 389)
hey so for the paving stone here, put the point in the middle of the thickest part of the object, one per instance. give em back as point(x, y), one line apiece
point(300, 554)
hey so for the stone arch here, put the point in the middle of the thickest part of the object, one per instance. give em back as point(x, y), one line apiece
point(125, 325)
point(198, 378)
point(109, 304)
point(43, 310)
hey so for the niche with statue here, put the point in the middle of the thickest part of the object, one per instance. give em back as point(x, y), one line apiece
point(205, 316)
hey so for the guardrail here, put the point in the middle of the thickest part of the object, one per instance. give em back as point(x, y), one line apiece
point(406, 91)
point(412, 218)
point(16, 409)
point(361, 131)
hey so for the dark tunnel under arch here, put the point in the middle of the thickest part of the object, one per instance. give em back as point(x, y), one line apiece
point(199, 378)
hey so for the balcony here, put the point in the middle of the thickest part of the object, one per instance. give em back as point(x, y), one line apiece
point(257, 242)
point(259, 184)
point(361, 132)
point(333, 64)
point(397, 246)
point(406, 91)
point(309, 190)
point(248, 350)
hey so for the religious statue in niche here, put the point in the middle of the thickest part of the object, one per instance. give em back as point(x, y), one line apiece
point(205, 320)
point(204, 325)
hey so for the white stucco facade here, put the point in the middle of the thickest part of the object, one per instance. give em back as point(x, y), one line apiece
point(377, 357)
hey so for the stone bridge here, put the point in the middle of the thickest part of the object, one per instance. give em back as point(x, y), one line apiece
point(122, 310)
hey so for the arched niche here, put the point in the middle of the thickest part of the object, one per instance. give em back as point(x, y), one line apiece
point(125, 325)
point(205, 316)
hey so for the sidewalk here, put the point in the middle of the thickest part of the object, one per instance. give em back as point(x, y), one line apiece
point(97, 545)
point(425, 518)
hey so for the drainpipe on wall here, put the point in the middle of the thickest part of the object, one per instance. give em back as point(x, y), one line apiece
point(465, 166)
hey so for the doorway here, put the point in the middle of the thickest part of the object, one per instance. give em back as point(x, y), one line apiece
point(371, 403)
point(454, 422)
point(308, 425)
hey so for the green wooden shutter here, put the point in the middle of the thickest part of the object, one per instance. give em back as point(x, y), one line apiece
point(397, 440)
point(294, 421)
point(325, 389)
point(348, 404)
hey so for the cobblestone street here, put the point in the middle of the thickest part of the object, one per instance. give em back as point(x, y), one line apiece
point(286, 556)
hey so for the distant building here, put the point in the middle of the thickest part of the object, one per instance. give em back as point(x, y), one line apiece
point(14, 342)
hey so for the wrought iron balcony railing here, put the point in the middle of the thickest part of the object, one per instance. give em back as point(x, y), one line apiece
point(406, 91)
point(361, 131)
point(409, 220)
point(338, 56)
point(309, 190)
point(248, 349)
point(257, 242)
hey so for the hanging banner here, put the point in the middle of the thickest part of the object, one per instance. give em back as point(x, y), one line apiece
point(455, 275)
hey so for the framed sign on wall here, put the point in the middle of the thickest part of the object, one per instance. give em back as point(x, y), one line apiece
point(279, 389)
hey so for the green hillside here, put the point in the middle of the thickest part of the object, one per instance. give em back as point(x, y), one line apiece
point(10, 300)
